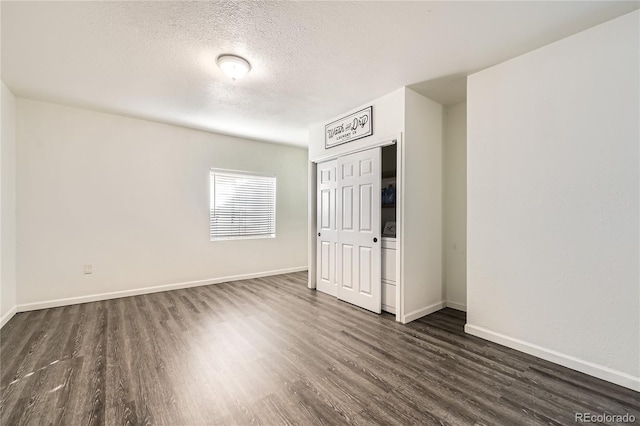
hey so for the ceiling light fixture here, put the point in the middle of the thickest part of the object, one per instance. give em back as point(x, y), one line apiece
point(233, 66)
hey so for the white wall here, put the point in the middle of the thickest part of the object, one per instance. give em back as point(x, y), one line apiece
point(455, 205)
point(8, 206)
point(553, 209)
point(131, 198)
point(421, 213)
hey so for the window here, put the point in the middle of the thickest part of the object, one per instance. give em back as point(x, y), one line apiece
point(242, 205)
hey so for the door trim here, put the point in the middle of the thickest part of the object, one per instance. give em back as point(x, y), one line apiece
point(389, 140)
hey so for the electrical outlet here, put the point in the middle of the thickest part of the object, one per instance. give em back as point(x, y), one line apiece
point(88, 269)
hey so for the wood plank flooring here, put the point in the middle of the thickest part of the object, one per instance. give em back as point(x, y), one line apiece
point(270, 351)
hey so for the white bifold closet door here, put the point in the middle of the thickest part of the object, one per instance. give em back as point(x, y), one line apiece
point(358, 268)
point(327, 241)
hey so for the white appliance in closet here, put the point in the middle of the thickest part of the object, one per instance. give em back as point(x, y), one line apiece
point(348, 222)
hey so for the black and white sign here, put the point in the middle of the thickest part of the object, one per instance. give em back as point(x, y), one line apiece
point(354, 126)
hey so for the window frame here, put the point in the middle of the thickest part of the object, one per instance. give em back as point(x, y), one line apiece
point(241, 174)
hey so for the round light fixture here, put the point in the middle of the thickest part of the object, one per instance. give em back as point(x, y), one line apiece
point(233, 66)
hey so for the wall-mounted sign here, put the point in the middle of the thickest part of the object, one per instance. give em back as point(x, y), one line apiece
point(354, 126)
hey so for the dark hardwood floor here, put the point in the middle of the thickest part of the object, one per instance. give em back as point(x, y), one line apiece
point(270, 351)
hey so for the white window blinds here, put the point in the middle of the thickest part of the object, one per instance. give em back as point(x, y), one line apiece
point(242, 205)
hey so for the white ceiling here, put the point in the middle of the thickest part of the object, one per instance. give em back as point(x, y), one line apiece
point(311, 60)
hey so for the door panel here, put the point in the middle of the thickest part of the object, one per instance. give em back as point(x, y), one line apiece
point(366, 219)
point(325, 261)
point(347, 170)
point(325, 205)
point(347, 269)
point(365, 269)
point(366, 167)
point(359, 259)
point(347, 208)
point(327, 242)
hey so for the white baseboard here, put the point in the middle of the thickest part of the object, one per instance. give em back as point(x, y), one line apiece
point(595, 370)
point(6, 317)
point(419, 313)
point(457, 306)
point(147, 290)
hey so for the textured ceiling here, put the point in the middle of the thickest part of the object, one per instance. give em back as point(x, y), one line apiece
point(311, 60)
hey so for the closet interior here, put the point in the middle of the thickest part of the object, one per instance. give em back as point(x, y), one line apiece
point(388, 213)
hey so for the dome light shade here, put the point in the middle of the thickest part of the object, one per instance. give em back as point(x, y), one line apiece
point(233, 66)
